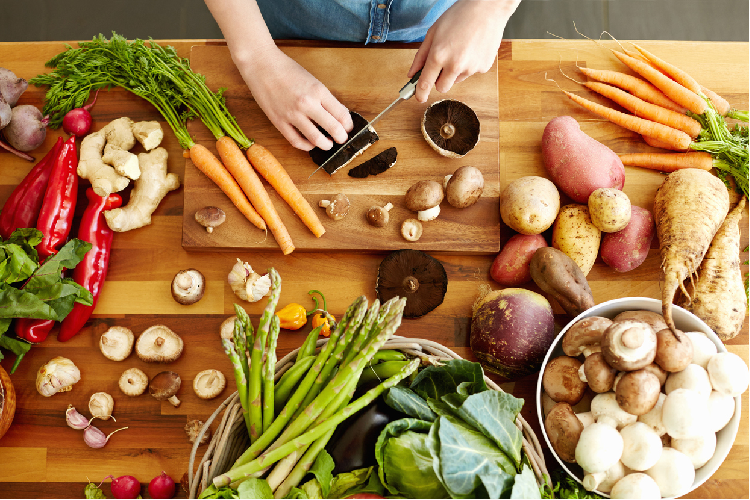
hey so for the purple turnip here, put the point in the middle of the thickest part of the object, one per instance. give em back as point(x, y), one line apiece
point(162, 486)
point(11, 87)
point(78, 121)
point(27, 128)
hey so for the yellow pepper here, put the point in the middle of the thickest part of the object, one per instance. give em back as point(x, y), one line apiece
point(320, 317)
point(292, 317)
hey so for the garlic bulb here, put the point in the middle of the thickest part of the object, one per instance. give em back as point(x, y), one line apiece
point(247, 284)
point(58, 375)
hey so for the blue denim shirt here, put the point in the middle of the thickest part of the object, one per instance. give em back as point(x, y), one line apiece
point(368, 21)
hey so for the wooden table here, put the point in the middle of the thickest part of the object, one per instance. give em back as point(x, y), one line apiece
point(41, 457)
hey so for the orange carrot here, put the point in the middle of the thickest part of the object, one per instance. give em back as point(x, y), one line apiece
point(671, 70)
point(671, 88)
point(720, 104)
point(636, 86)
point(647, 110)
point(240, 168)
point(656, 143)
point(210, 165)
point(269, 167)
point(666, 134)
point(668, 162)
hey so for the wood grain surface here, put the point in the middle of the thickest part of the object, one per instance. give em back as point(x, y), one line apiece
point(41, 457)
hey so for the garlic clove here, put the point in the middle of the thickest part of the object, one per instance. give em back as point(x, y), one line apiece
point(95, 438)
point(75, 420)
point(257, 287)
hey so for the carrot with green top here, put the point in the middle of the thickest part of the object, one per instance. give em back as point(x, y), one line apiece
point(636, 86)
point(669, 162)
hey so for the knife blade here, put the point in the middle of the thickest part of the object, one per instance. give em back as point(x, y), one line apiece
point(406, 92)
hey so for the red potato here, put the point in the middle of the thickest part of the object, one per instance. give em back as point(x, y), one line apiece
point(579, 164)
point(511, 266)
point(626, 249)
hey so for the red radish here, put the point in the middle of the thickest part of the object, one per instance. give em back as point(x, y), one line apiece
point(125, 487)
point(162, 486)
point(78, 121)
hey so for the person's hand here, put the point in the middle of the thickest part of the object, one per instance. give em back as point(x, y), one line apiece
point(463, 41)
point(295, 101)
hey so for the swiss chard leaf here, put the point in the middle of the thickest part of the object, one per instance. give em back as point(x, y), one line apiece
point(525, 485)
point(254, 487)
point(437, 381)
point(322, 469)
point(494, 413)
point(406, 401)
point(27, 238)
point(15, 264)
point(357, 481)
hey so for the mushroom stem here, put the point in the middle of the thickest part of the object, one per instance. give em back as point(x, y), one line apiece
point(447, 131)
point(159, 341)
point(175, 402)
point(411, 283)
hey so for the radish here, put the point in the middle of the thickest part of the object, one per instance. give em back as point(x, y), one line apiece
point(125, 487)
point(78, 121)
point(162, 486)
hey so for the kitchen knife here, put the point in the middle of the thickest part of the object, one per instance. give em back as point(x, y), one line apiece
point(406, 92)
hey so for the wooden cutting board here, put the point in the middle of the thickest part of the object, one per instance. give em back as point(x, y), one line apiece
point(366, 81)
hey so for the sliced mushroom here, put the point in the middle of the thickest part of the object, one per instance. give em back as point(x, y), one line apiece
point(378, 216)
point(209, 383)
point(375, 165)
point(464, 187)
point(188, 286)
point(412, 274)
point(117, 343)
point(165, 385)
point(210, 217)
point(133, 382)
point(337, 207)
point(411, 229)
point(451, 128)
point(159, 344)
point(353, 149)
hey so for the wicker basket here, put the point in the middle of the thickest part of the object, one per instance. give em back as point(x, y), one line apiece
point(230, 439)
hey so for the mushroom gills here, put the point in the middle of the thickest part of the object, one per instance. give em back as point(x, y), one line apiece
point(342, 156)
point(451, 128)
point(375, 165)
point(412, 274)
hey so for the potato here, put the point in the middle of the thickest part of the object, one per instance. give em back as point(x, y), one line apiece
point(529, 205)
point(561, 278)
point(627, 249)
point(577, 163)
point(575, 235)
point(511, 266)
point(609, 209)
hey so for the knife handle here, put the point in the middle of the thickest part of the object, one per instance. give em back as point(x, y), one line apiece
point(407, 91)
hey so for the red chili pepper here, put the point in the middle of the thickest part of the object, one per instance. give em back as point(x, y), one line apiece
point(33, 330)
point(59, 204)
point(23, 206)
point(92, 270)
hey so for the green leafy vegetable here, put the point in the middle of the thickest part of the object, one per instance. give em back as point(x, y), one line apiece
point(322, 469)
point(566, 487)
point(494, 414)
point(93, 491)
point(407, 402)
point(728, 147)
point(224, 492)
point(525, 485)
point(437, 381)
point(254, 488)
point(356, 481)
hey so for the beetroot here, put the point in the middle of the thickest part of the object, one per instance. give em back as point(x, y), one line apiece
point(125, 487)
point(27, 128)
point(162, 486)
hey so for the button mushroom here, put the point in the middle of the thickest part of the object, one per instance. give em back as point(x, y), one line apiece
point(117, 343)
point(165, 385)
point(641, 446)
point(673, 473)
point(464, 187)
point(159, 344)
point(450, 127)
point(629, 345)
point(188, 286)
point(424, 197)
point(209, 383)
point(720, 410)
point(597, 373)
point(684, 414)
point(674, 351)
point(636, 485)
point(210, 217)
point(337, 207)
point(693, 377)
point(653, 417)
point(599, 447)
point(378, 216)
point(411, 229)
point(698, 449)
point(605, 409)
point(728, 373)
point(101, 405)
point(604, 481)
point(133, 382)
point(638, 391)
point(654, 319)
point(585, 336)
point(563, 430)
point(561, 380)
point(703, 348)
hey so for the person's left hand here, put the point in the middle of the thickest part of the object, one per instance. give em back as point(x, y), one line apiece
point(463, 41)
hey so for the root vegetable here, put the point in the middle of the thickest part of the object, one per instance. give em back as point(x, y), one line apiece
point(609, 209)
point(529, 205)
point(6, 112)
point(78, 121)
point(689, 207)
point(626, 249)
point(575, 235)
point(162, 486)
point(511, 267)
point(148, 134)
point(27, 128)
point(124, 162)
point(125, 487)
point(558, 275)
point(11, 87)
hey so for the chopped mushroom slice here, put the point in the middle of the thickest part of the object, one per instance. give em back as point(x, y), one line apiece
point(193, 429)
point(412, 274)
point(209, 383)
point(411, 229)
point(117, 343)
point(159, 344)
point(165, 385)
point(188, 286)
point(133, 382)
point(375, 165)
point(451, 128)
point(210, 217)
point(353, 149)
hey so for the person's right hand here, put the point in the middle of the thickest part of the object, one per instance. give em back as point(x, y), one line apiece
point(295, 101)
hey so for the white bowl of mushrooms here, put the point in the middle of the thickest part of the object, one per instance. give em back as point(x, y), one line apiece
point(631, 409)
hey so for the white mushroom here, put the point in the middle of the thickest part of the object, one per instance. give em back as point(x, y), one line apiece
point(728, 373)
point(604, 481)
point(699, 449)
point(429, 214)
point(411, 229)
point(684, 414)
point(117, 343)
point(188, 286)
point(720, 410)
point(653, 417)
point(641, 446)
point(599, 447)
point(693, 377)
point(673, 473)
point(636, 485)
point(133, 382)
point(586, 418)
point(101, 405)
point(604, 407)
point(159, 344)
point(227, 328)
point(703, 348)
point(209, 383)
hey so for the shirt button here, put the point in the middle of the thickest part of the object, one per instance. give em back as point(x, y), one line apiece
point(381, 6)
point(376, 37)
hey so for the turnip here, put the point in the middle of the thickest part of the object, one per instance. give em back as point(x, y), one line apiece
point(11, 87)
point(27, 128)
point(5, 112)
point(162, 486)
point(125, 487)
point(78, 121)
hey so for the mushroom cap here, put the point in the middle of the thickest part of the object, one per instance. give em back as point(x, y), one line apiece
point(693, 377)
point(720, 410)
point(642, 446)
point(133, 382)
point(599, 448)
point(563, 430)
point(210, 217)
point(209, 383)
point(673, 355)
point(673, 473)
point(353, 149)
point(653, 417)
point(728, 373)
point(412, 274)
point(164, 385)
point(638, 391)
point(226, 330)
point(159, 344)
point(423, 195)
point(464, 187)
point(117, 343)
point(684, 414)
point(703, 348)
point(561, 380)
point(699, 449)
point(450, 127)
point(605, 405)
point(378, 216)
point(635, 485)
point(654, 319)
point(657, 370)
point(411, 229)
point(375, 165)
point(188, 286)
point(599, 375)
point(101, 405)
point(585, 335)
point(337, 207)
point(629, 345)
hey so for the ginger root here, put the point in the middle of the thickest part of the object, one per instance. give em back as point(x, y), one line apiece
point(124, 162)
point(103, 177)
point(150, 188)
point(149, 134)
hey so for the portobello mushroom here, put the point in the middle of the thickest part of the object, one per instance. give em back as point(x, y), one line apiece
point(353, 149)
point(451, 128)
point(375, 165)
point(415, 275)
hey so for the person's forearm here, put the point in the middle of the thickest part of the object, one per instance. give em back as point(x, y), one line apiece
point(243, 27)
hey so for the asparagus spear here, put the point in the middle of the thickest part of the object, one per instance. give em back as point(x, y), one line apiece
point(239, 377)
point(289, 381)
point(303, 466)
point(308, 346)
point(273, 456)
point(268, 376)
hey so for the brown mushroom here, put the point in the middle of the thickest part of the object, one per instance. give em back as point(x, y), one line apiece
point(638, 391)
point(657, 370)
point(165, 385)
point(210, 217)
point(188, 286)
point(654, 319)
point(598, 374)
point(464, 187)
point(209, 383)
point(411, 229)
point(563, 430)
point(451, 128)
point(561, 380)
point(337, 207)
point(585, 336)
point(159, 344)
point(193, 429)
point(629, 345)
point(378, 216)
point(674, 350)
point(424, 197)
point(349, 150)
point(375, 165)
point(412, 274)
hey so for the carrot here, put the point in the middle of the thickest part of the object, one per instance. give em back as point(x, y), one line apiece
point(671, 88)
point(269, 167)
point(656, 143)
point(689, 208)
point(668, 162)
point(210, 165)
point(240, 168)
point(717, 295)
point(635, 86)
point(676, 138)
point(720, 104)
point(671, 71)
point(644, 109)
